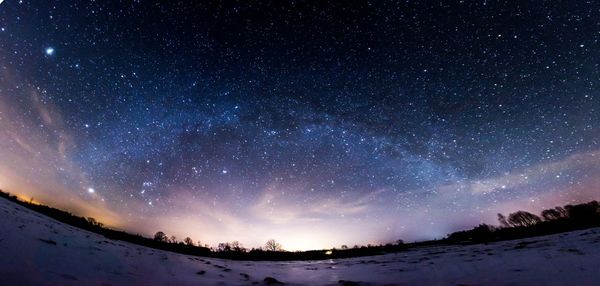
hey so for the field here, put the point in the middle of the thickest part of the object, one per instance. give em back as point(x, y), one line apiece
point(37, 250)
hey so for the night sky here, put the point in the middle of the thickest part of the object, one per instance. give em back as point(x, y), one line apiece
point(316, 123)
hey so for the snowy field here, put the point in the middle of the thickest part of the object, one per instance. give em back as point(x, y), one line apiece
point(36, 250)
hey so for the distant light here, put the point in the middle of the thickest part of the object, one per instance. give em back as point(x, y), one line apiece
point(328, 252)
point(49, 51)
point(91, 190)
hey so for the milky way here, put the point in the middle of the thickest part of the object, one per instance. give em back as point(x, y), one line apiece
point(312, 122)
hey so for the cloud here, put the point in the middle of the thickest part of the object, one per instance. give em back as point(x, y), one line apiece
point(543, 172)
point(281, 205)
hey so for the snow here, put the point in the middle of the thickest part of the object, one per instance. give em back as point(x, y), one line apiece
point(37, 250)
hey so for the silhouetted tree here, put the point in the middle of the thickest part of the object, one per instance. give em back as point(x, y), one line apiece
point(224, 247)
point(584, 213)
point(273, 245)
point(237, 246)
point(552, 214)
point(483, 232)
point(523, 219)
point(563, 212)
point(502, 220)
point(160, 236)
point(173, 239)
point(188, 241)
point(344, 247)
point(92, 221)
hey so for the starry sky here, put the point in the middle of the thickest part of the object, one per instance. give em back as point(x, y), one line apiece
point(316, 123)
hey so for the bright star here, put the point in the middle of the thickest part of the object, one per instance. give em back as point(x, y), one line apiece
point(91, 190)
point(49, 51)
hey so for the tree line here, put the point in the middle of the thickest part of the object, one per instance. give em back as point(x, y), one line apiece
point(519, 224)
point(272, 250)
point(522, 224)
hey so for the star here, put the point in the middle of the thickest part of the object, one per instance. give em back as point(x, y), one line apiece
point(396, 115)
point(49, 51)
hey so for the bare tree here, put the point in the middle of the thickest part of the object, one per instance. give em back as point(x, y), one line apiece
point(224, 247)
point(273, 245)
point(237, 246)
point(552, 214)
point(563, 212)
point(173, 239)
point(188, 241)
point(502, 220)
point(523, 219)
point(160, 237)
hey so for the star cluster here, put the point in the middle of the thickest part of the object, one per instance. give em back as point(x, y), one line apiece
point(313, 122)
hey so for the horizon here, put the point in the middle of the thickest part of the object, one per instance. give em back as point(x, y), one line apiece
point(497, 226)
point(314, 124)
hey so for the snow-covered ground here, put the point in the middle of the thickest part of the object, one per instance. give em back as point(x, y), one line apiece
point(37, 250)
